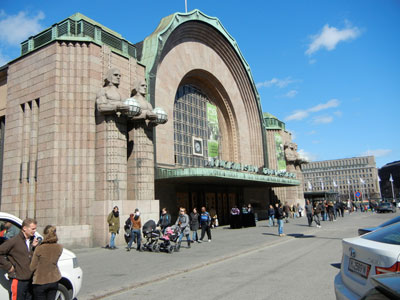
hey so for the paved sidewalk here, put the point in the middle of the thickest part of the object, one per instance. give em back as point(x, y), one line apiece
point(107, 272)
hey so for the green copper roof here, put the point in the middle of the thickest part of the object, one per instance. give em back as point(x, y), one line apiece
point(79, 28)
point(273, 123)
point(208, 174)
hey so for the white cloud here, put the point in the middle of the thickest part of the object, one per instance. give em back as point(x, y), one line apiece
point(331, 103)
point(297, 115)
point(377, 152)
point(311, 132)
point(302, 114)
point(281, 83)
point(329, 37)
point(315, 142)
point(323, 120)
point(291, 94)
point(307, 155)
point(14, 29)
point(338, 113)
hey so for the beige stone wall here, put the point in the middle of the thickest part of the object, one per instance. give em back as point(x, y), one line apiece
point(51, 133)
point(291, 194)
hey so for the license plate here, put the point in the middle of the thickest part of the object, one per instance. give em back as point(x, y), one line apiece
point(359, 267)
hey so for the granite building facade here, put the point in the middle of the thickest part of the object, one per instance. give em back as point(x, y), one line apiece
point(66, 164)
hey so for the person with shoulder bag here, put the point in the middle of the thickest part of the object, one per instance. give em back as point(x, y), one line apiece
point(44, 266)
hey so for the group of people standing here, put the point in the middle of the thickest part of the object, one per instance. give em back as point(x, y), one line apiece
point(242, 218)
point(187, 224)
point(31, 263)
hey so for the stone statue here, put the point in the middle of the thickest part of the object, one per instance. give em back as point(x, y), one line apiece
point(291, 154)
point(109, 100)
point(139, 93)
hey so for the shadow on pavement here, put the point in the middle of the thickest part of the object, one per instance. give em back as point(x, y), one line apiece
point(301, 235)
point(337, 265)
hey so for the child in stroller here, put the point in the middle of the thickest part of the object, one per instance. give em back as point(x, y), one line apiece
point(151, 234)
point(170, 240)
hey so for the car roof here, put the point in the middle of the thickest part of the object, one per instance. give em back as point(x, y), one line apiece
point(11, 217)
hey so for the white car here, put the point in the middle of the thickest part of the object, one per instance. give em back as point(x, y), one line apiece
point(374, 253)
point(71, 281)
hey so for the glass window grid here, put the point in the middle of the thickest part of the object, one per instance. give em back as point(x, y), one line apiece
point(190, 119)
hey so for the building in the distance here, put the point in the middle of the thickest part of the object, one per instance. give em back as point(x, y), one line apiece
point(347, 178)
point(390, 180)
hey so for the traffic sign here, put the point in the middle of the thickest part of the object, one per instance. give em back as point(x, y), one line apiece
point(357, 194)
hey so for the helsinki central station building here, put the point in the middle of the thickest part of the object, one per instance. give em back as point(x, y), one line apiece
point(66, 163)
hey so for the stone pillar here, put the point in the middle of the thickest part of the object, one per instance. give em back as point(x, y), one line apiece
point(140, 184)
point(111, 172)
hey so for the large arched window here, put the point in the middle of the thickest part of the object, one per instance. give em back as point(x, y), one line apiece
point(196, 128)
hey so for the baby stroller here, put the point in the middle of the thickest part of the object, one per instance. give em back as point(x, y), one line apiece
point(151, 234)
point(170, 240)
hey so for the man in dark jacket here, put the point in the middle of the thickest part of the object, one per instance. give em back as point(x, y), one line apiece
point(165, 220)
point(15, 257)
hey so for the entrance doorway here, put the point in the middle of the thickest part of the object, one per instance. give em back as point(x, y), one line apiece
point(216, 202)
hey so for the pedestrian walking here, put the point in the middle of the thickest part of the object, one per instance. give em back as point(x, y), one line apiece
point(286, 209)
point(135, 223)
point(205, 221)
point(194, 224)
point(44, 266)
point(317, 214)
point(165, 220)
point(330, 211)
point(341, 207)
point(309, 212)
point(183, 223)
point(271, 215)
point(324, 214)
point(280, 215)
point(15, 258)
point(295, 211)
point(113, 226)
point(300, 210)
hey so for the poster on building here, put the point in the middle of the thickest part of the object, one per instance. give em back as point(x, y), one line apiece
point(213, 131)
point(280, 152)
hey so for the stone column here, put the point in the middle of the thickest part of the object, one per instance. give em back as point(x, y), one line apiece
point(140, 184)
point(111, 172)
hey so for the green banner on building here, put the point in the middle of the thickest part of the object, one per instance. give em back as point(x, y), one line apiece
point(213, 131)
point(280, 152)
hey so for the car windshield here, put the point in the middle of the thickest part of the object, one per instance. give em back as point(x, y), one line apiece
point(390, 222)
point(387, 235)
point(385, 204)
point(7, 230)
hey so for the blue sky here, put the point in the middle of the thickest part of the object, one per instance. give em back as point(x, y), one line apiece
point(329, 69)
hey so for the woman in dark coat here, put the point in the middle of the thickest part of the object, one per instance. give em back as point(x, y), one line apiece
point(44, 265)
point(194, 224)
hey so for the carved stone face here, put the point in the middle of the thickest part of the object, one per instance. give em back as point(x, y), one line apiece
point(142, 88)
point(116, 77)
